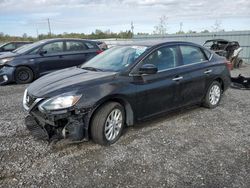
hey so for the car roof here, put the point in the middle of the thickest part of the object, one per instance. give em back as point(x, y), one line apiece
point(151, 43)
point(18, 42)
point(65, 39)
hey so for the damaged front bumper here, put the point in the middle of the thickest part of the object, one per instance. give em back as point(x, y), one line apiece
point(69, 124)
point(6, 74)
point(240, 82)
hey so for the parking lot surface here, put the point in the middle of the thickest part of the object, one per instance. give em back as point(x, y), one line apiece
point(195, 147)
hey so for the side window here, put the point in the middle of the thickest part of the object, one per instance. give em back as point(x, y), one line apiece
point(163, 58)
point(74, 46)
point(52, 48)
point(35, 51)
point(191, 54)
point(208, 54)
point(10, 46)
point(19, 45)
point(90, 46)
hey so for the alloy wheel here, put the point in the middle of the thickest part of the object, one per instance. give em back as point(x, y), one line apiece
point(113, 124)
point(214, 94)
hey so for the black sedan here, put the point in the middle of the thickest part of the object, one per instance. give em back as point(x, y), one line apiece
point(122, 86)
point(35, 60)
point(11, 46)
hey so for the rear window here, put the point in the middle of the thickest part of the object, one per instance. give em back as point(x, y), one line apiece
point(191, 54)
point(75, 46)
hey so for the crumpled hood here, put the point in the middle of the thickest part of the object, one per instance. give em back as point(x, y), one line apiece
point(66, 80)
point(1, 53)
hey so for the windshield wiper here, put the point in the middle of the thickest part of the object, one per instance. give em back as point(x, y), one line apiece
point(92, 69)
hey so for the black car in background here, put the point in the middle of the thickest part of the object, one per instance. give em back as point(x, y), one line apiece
point(10, 46)
point(35, 60)
point(121, 86)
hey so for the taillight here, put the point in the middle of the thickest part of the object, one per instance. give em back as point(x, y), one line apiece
point(229, 65)
point(99, 51)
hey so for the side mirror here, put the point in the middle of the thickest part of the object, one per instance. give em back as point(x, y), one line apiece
point(42, 52)
point(148, 69)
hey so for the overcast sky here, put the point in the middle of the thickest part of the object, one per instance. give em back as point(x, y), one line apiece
point(84, 16)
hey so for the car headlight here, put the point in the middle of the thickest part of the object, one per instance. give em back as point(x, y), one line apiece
point(60, 102)
point(6, 60)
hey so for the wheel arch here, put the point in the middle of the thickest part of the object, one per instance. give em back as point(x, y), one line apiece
point(129, 113)
point(28, 66)
point(220, 80)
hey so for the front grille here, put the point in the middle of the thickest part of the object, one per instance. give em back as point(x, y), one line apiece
point(30, 100)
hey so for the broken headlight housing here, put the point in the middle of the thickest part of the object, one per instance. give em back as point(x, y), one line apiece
point(60, 102)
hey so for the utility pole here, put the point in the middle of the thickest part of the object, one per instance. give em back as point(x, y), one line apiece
point(132, 28)
point(49, 27)
point(181, 24)
point(37, 33)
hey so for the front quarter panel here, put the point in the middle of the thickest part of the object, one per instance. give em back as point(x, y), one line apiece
point(23, 61)
point(120, 88)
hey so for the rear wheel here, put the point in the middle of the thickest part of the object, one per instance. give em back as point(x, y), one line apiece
point(213, 95)
point(23, 75)
point(239, 64)
point(108, 123)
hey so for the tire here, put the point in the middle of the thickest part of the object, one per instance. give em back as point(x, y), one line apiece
point(213, 95)
point(23, 75)
point(239, 64)
point(101, 120)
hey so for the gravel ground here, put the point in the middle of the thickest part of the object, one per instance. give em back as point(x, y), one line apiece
point(197, 147)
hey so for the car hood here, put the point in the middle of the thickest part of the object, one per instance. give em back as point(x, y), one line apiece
point(1, 53)
point(7, 54)
point(66, 80)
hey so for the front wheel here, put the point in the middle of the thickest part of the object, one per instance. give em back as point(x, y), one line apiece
point(108, 123)
point(213, 95)
point(23, 75)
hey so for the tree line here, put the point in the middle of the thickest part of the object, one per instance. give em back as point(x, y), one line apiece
point(98, 34)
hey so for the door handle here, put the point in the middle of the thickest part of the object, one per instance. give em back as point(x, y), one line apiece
point(208, 71)
point(177, 78)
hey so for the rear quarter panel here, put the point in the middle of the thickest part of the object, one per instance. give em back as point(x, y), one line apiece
point(219, 71)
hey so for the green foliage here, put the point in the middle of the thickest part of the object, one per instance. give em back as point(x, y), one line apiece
point(180, 32)
point(7, 38)
point(205, 31)
point(98, 34)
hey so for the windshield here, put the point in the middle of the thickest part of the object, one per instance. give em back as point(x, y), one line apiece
point(27, 47)
point(115, 59)
point(2, 44)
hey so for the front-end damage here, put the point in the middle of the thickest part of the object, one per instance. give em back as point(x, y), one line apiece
point(70, 124)
point(240, 82)
point(6, 74)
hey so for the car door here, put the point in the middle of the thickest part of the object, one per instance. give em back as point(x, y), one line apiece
point(75, 53)
point(50, 57)
point(194, 72)
point(159, 92)
point(78, 52)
